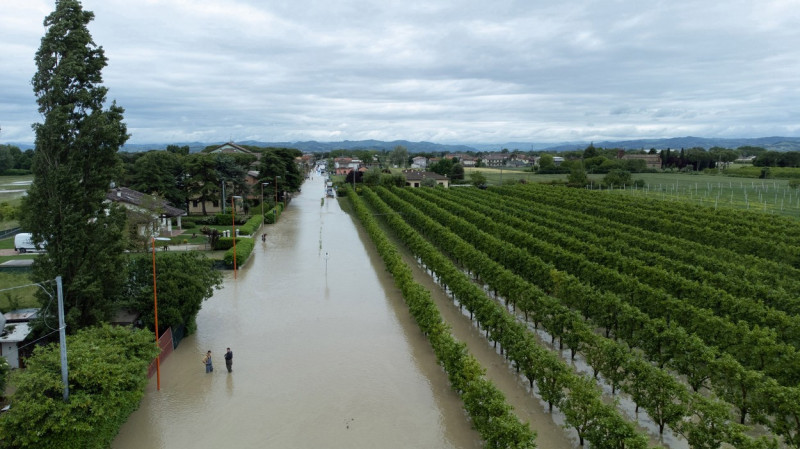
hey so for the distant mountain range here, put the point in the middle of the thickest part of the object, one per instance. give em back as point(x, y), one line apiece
point(770, 143)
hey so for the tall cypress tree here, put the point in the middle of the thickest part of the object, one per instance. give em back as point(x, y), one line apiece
point(74, 163)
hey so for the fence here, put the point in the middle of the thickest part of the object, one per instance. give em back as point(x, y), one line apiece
point(9, 232)
point(165, 343)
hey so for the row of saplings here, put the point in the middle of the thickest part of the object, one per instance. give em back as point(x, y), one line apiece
point(491, 415)
point(580, 401)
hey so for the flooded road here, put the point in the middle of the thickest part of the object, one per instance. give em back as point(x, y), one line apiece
point(325, 353)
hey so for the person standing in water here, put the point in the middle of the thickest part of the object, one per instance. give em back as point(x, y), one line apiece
point(207, 362)
point(229, 360)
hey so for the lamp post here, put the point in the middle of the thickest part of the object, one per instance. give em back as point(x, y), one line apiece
point(233, 218)
point(262, 200)
point(275, 210)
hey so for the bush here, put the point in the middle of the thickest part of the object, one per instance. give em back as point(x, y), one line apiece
point(251, 226)
point(244, 246)
point(107, 377)
point(223, 243)
point(188, 224)
point(617, 179)
point(227, 219)
point(271, 215)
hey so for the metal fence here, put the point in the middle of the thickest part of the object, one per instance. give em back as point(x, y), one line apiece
point(9, 232)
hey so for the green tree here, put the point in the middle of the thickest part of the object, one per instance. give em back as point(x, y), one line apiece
point(203, 181)
point(617, 178)
point(179, 150)
point(74, 163)
point(399, 156)
point(233, 174)
point(546, 162)
point(279, 163)
point(590, 151)
point(160, 172)
point(477, 178)
point(577, 178)
point(457, 172)
point(372, 177)
point(7, 155)
point(443, 167)
point(583, 405)
point(183, 279)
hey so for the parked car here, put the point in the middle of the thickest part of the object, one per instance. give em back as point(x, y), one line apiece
point(23, 243)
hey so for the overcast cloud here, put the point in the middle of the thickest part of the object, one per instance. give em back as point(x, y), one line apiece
point(438, 70)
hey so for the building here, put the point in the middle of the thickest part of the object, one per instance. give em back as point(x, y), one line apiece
point(232, 148)
point(495, 160)
point(415, 178)
point(162, 213)
point(653, 161)
point(15, 329)
point(419, 162)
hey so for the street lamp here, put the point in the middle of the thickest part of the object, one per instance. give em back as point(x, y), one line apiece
point(233, 218)
point(275, 210)
point(262, 200)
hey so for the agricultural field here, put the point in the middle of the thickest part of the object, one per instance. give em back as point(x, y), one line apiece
point(688, 312)
point(771, 196)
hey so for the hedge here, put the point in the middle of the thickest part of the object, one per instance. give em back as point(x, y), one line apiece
point(251, 226)
point(271, 215)
point(244, 246)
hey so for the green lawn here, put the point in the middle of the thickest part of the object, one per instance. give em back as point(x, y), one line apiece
point(12, 297)
point(7, 243)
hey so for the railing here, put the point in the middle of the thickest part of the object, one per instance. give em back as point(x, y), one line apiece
point(9, 232)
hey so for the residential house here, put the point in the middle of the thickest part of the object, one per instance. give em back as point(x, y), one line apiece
point(414, 178)
point(232, 148)
point(652, 160)
point(468, 162)
point(15, 327)
point(495, 159)
point(162, 213)
point(419, 162)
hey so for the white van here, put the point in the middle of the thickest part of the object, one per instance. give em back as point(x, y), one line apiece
point(23, 242)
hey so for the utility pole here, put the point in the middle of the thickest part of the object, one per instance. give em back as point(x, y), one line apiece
point(62, 338)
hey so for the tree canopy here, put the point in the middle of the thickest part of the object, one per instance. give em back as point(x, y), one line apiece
point(74, 163)
point(107, 377)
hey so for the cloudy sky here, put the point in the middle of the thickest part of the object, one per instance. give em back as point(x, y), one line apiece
point(444, 71)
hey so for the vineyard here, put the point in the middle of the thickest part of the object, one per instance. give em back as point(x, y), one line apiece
point(689, 312)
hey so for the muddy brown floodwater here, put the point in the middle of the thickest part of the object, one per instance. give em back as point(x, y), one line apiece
point(325, 355)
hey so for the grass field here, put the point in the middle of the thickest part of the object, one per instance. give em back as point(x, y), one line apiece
point(12, 296)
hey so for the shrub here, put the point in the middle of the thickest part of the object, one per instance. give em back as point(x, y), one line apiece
point(617, 179)
point(251, 226)
point(107, 377)
point(244, 246)
point(223, 243)
point(271, 215)
point(188, 224)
